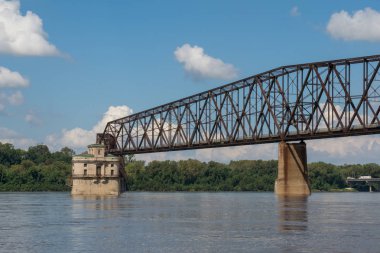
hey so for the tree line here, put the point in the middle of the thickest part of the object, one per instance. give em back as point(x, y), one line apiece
point(39, 169)
point(243, 175)
point(35, 169)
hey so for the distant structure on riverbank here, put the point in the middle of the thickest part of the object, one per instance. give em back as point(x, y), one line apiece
point(96, 173)
point(365, 180)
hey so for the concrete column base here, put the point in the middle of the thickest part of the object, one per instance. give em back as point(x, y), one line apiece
point(292, 178)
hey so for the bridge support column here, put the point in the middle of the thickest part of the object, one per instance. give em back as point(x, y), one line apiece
point(292, 178)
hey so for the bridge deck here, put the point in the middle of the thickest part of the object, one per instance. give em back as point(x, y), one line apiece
point(363, 180)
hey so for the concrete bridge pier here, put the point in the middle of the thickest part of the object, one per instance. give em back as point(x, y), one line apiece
point(292, 178)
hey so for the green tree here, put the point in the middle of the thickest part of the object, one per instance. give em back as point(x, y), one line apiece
point(38, 154)
point(65, 155)
point(9, 155)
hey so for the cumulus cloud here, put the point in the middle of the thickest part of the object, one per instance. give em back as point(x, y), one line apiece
point(79, 138)
point(224, 154)
point(113, 112)
point(251, 152)
point(200, 65)
point(22, 34)
point(358, 149)
point(11, 79)
point(294, 11)
point(10, 136)
point(361, 25)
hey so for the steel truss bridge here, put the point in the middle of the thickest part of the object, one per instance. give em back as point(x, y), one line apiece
point(298, 102)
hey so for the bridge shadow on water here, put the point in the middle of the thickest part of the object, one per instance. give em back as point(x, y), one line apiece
point(292, 213)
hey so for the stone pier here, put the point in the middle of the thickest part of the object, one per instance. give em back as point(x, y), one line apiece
point(97, 173)
point(292, 178)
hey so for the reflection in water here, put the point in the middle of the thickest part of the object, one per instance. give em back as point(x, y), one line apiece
point(292, 213)
point(96, 202)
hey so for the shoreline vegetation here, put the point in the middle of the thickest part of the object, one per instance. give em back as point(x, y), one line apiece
point(38, 169)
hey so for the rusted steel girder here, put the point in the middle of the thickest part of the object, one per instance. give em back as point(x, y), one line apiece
point(298, 102)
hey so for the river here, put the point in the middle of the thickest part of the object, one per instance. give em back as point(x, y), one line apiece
point(190, 222)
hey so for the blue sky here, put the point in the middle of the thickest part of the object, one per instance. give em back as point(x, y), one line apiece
point(92, 55)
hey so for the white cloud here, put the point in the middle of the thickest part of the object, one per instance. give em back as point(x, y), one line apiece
point(10, 136)
point(79, 138)
point(251, 152)
point(16, 98)
point(32, 118)
point(200, 65)
point(345, 147)
point(358, 149)
point(294, 11)
point(22, 34)
point(13, 98)
point(113, 112)
point(225, 154)
point(362, 25)
point(11, 79)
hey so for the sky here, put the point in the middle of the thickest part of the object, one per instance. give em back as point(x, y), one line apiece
point(68, 67)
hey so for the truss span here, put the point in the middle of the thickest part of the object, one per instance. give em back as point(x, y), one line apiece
point(298, 102)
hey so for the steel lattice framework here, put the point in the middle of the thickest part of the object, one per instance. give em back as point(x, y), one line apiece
point(307, 101)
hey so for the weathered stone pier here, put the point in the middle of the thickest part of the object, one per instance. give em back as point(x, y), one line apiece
point(97, 173)
point(292, 178)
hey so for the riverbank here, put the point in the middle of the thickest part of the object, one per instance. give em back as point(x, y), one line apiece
point(37, 169)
